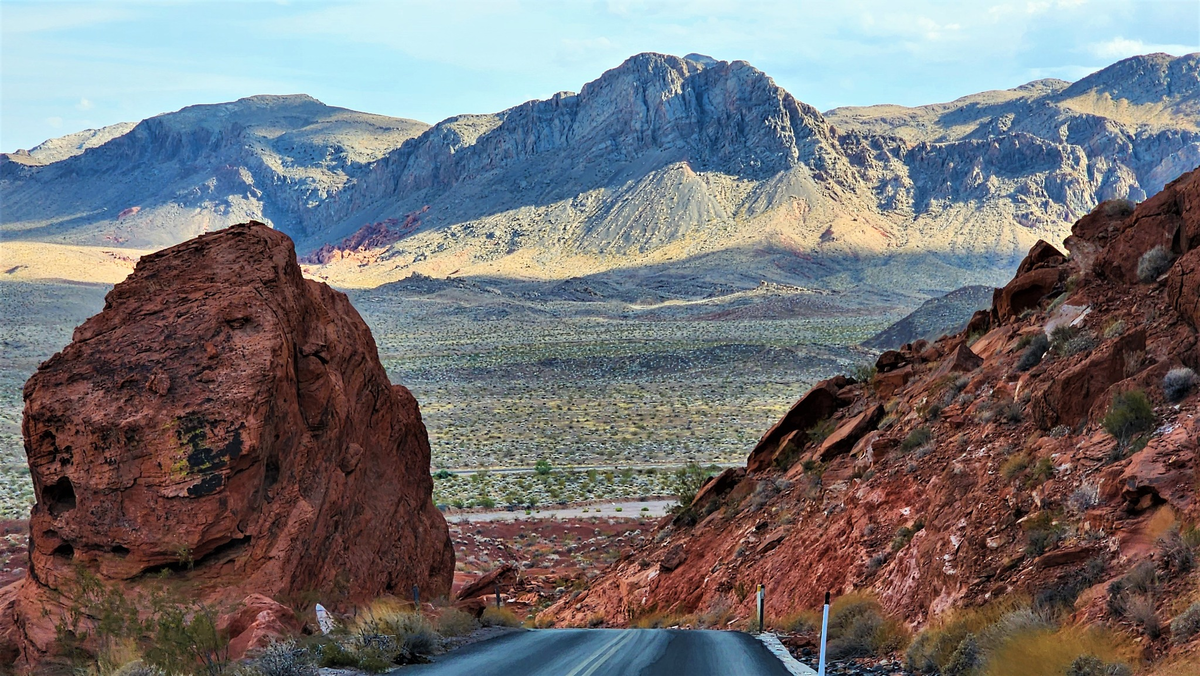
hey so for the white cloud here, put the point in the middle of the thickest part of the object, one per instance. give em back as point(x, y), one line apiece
point(84, 104)
point(1122, 48)
point(55, 122)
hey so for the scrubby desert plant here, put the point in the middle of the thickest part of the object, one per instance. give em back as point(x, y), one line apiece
point(1090, 665)
point(1178, 384)
point(454, 622)
point(863, 373)
point(140, 668)
point(1175, 555)
point(858, 627)
point(1129, 415)
point(1186, 624)
point(284, 658)
point(499, 617)
point(916, 438)
point(1084, 498)
point(1154, 263)
point(1032, 356)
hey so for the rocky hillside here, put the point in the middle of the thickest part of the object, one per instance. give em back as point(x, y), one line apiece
point(174, 176)
point(688, 163)
point(934, 318)
point(1054, 458)
point(227, 423)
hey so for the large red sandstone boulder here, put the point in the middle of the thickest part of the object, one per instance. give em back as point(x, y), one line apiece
point(849, 432)
point(227, 419)
point(816, 405)
point(1024, 292)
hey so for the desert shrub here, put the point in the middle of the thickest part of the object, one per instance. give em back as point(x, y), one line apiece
point(1032, 356)
point(140, 668)
point(454, 622)
point(1084, 498)
point(688, 481)
point(499, 617)
point(1114, 329)
point(904, 535)
point(1175, 555)
point(1178, 384)
point(334, 655)
point(1153, 263)
point(1090, 665)
point(916, 438)
point(1042, 532)
point(965, 659)
point(1140, 608)
point(1060, 336)
point(1084, 342)
point(863, 373)
point(1129, 415)
point(803, 622)
point(940, 643)
point(1141, 581)
point(284, 658)
point(859, 628)
point(1186, 624)
point(1062, 594)
point(1015, 465)
point(1118, 208)
point(1042, 471)
point(1052, 652)
point(542, 467)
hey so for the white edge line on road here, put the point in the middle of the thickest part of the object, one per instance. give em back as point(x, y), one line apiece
point(771, 641)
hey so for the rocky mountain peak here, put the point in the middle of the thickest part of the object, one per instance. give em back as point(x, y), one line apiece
point(1147, 79)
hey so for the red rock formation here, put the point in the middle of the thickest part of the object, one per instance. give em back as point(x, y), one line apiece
point(228, 419)
point(833, 520)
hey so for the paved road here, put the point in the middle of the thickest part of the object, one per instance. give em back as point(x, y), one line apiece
point(608, 652)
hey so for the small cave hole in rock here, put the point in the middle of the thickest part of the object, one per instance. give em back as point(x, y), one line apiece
point(59, 497)
point(119, 550)
point(64, 551)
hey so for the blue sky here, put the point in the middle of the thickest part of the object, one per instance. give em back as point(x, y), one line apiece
point(71, 66)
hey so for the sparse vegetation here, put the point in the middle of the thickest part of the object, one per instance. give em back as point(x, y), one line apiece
point(1129, 415)
point(1153, 263)
point(1032, 356)
point(916, 439)
point(1178, 384)
point(1187, 624)
point(858, 627)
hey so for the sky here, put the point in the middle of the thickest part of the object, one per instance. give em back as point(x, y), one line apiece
point(68, 66)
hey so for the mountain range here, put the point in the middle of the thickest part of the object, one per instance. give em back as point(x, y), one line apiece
point(663, 167)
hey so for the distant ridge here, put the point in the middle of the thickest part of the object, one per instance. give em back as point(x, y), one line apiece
point(694, 164)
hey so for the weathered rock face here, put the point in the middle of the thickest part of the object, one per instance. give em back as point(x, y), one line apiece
point(920, 509)
point(227, 418)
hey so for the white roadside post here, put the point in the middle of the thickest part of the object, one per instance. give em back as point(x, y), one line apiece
point(761, 599)
point(824, 636)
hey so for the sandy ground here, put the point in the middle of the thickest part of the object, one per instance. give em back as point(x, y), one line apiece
point(611, 510)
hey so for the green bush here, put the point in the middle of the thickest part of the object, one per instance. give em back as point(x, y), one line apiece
point(1129, 415)
point(821, 431)
point(916, 438)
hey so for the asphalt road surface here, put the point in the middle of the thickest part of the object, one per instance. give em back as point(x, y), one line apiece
point(608, 652)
